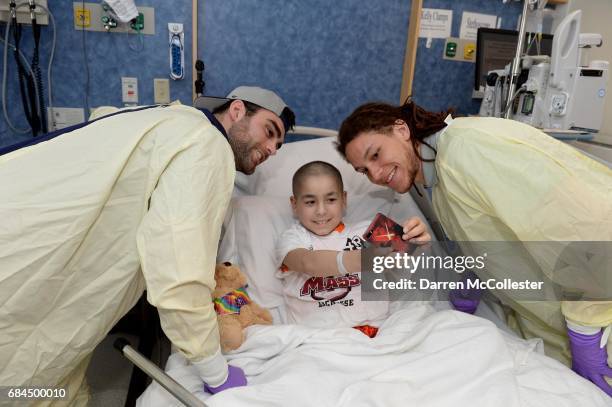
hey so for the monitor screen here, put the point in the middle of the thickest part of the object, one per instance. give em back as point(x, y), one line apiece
point(495, 48)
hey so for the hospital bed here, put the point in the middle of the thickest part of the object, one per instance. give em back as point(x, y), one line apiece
point(424, 354)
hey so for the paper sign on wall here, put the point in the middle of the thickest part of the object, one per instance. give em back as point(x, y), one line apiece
point(471, 21)
point(436, 23)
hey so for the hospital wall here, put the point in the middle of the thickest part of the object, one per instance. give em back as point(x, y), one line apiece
point(325, 58)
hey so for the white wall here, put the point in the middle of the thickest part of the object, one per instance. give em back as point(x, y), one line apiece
point(597, 18)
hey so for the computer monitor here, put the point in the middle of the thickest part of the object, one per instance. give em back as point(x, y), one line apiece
point(495, 48)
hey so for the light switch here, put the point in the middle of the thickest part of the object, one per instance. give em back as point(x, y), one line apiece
point(469, 51)
point(451, 49)
point(161, 88)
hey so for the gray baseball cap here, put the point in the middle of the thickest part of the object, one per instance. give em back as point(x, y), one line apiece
point(261, 97)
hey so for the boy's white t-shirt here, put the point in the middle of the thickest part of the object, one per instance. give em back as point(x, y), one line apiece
point(326, 302)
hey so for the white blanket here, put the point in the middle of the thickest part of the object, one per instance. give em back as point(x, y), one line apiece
point(420, 357)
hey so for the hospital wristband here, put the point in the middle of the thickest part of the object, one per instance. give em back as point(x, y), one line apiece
point(341, 269)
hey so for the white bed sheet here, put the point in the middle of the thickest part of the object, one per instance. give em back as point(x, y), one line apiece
point(420, 357)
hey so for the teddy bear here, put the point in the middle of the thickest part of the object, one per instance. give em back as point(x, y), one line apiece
point(235, 309)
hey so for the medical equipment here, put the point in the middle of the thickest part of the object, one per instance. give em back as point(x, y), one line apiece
point(30, 76)
point(109, 19)
point(494, 90)
point(36, 67)
point(553, 92)
point(124, 10)
point(30, 84)
point(496, 48)
point(199, 83)
point(515, 69)
point(176, 50)
point(561, 94)
point(114, 14)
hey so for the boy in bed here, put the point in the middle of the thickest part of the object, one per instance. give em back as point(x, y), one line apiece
point(319, 257)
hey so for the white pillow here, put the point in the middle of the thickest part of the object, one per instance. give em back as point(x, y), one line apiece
point(255, 223)
point(273, 177)
point(249, 240)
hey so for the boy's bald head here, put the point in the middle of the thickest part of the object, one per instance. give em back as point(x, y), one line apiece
point(315, 168)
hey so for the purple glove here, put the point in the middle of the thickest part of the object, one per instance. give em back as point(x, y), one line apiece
point(467, 299)
point(463, 303)
point(589, 360)
point(235, 378)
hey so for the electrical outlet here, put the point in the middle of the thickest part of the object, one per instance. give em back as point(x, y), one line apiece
point(161, 87)
point(82, 17)
point(61, 117)
point(129, 90)
point(459, 49)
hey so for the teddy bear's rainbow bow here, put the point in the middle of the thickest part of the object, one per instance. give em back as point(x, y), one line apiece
point(231, 302)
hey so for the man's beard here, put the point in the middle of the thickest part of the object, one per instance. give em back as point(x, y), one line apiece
point(239, 140)
point(412, 172)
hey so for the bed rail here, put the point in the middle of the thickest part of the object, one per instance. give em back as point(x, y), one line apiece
point(313, 131)
point(155, 373)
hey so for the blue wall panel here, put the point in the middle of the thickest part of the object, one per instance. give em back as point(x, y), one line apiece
point(323, 57)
